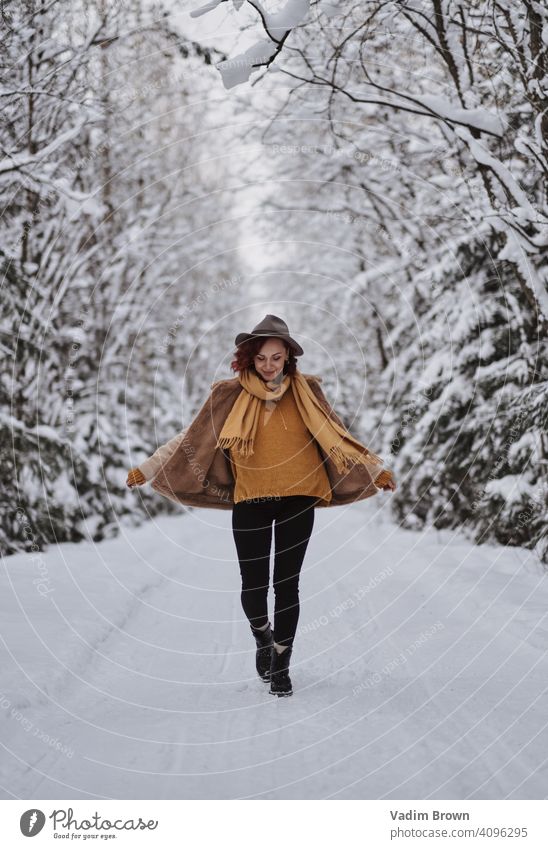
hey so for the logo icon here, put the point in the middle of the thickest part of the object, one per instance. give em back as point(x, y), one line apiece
point(32, 822)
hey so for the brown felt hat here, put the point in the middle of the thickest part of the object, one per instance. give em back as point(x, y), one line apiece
point(271, 325)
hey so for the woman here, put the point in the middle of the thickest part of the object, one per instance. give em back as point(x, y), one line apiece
point(268, 446)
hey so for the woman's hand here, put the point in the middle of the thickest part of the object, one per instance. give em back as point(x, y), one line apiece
point(135, 478)
point(385, 480)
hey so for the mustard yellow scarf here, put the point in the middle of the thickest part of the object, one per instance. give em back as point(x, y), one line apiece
point(241, 424)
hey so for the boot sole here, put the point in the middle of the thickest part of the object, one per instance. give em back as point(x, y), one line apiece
point(274, 693)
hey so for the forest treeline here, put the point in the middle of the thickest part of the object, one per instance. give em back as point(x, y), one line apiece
point(385, 175)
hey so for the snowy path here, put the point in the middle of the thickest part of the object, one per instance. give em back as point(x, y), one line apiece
point(419, 669)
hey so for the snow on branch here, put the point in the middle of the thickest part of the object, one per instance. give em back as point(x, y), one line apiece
point(513, 190)
point(237, 70)
point(203, 10)
point(16, 161)
point(277, 26)
point(479, 119)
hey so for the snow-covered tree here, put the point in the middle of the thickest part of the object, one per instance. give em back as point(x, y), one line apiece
point(102, 192)
point(437, 114)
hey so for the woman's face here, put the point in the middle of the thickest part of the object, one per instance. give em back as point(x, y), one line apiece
point(270, 359)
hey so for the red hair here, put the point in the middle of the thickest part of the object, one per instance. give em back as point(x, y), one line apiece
point(246, 352)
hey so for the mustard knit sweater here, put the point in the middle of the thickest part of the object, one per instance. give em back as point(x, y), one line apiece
point(286, 459)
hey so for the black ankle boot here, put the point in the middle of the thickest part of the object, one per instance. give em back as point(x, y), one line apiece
point(280, 682)
point(264, 642)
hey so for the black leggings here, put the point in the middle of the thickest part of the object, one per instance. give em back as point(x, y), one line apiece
point(293, 516)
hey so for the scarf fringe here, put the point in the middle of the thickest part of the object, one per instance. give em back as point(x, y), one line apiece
point(345, 450)
point(345, 462)
point(241, 445)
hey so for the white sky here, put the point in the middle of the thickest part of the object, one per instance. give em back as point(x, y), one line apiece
point(219, 28)
point(222, 29)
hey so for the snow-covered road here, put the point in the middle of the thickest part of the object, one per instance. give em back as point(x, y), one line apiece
point(419, 668)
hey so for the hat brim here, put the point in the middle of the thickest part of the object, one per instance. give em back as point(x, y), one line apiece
point(244, 337)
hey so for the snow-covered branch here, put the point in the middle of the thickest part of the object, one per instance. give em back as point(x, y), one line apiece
point(276, 25)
